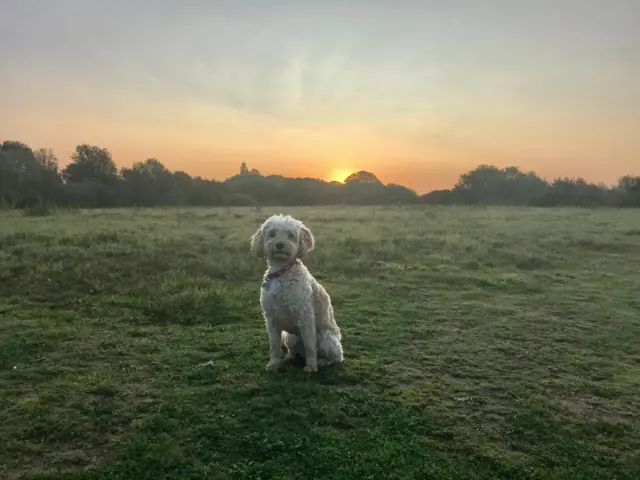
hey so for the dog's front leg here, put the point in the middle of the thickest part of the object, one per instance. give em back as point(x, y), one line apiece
point(275, 347)
point(308, 334)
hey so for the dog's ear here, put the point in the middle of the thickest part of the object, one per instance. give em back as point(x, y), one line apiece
point(257, 246)
point(306, 242)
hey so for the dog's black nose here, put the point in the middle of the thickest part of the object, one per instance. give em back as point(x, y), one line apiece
point(279, 245)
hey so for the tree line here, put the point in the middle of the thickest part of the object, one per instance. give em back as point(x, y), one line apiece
point(30, 178)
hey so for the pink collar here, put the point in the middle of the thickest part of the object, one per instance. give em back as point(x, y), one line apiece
point(278, 273)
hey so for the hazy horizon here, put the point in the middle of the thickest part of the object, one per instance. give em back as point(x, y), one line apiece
point(416, 92)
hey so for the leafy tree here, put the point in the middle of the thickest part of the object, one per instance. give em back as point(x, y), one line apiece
point(364, 188)
point(30, 177)
point(27, 178)
point(629, 187)
point(362, 177)
point(47, 159)
point(490, 185)
point(147, 183)
point(91, 163)
point(440, 197)
point(11, 171)
point(50, 180)
point(244, 170)
point(400, 194)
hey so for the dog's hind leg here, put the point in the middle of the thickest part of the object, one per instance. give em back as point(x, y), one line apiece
point(329, 350)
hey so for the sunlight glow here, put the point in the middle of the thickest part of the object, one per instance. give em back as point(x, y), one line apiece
point(339, 175)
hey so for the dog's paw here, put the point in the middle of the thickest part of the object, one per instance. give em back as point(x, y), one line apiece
point(274, 365)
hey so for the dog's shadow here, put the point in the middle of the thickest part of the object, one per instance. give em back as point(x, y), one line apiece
point(298, 361)
point(328, 375)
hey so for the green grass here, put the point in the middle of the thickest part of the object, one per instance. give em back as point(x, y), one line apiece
point(479, 343)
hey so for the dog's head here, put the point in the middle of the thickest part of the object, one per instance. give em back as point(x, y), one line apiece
point(282, 238)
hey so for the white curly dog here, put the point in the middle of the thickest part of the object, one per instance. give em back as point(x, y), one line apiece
point(297, 309)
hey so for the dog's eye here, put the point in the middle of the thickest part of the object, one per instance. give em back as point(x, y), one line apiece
point(292, 236)
point(272, 233)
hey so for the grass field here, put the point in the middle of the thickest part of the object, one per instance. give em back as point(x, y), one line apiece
point(479, 343)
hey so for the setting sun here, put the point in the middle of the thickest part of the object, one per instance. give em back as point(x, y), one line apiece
point(339, 175)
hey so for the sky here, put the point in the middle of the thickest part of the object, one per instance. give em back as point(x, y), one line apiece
point(417, 92)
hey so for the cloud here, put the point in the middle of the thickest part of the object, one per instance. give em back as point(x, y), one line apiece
point(461, 76)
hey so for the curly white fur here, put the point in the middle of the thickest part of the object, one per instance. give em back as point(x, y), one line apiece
point(296, 308)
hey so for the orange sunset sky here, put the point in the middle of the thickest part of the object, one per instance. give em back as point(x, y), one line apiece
point(417, 92)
